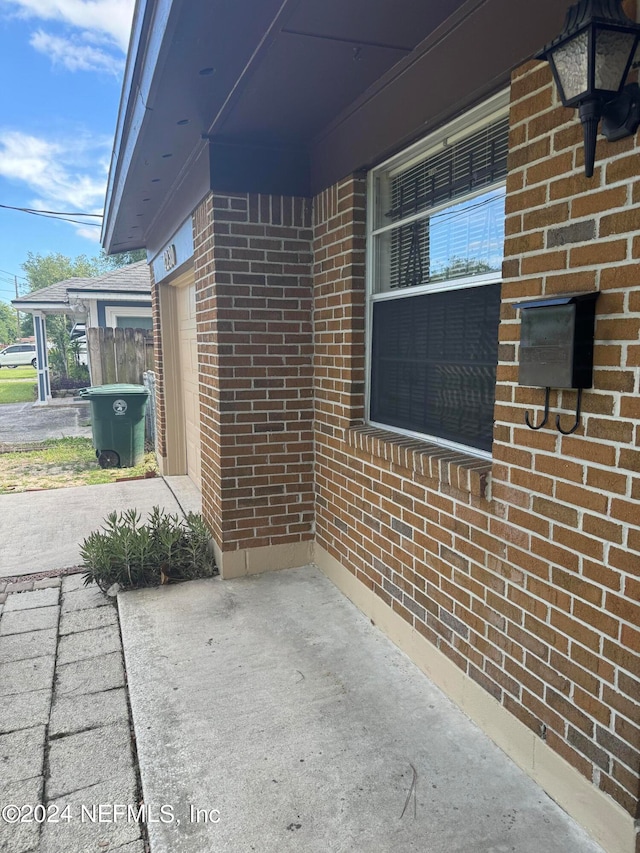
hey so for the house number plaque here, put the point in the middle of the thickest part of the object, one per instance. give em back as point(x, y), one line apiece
point(170, 257)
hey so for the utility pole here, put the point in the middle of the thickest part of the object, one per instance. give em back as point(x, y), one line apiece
point(15, 281)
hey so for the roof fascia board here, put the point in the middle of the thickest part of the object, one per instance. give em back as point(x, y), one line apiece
point(131, 115)
point(124, 296)
point(29, 307)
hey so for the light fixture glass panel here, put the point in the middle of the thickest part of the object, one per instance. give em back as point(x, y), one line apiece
point(571, 61)
point(612, 54)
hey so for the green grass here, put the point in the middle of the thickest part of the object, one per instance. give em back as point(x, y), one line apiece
point(59, 463)
point(17, 385)
point(11, 374)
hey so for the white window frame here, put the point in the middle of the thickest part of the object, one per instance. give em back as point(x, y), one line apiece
point(112, 312)
point(489, 111)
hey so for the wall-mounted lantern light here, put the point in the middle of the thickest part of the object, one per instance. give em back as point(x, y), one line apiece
point(590, 61)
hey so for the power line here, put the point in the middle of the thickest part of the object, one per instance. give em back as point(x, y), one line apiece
point(53, 212)
point(59, 216)
point(14, 275)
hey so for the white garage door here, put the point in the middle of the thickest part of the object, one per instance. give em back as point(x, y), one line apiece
point(188, 355)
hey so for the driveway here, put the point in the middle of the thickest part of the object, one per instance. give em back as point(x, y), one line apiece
point(42, 531)
point(22, 423)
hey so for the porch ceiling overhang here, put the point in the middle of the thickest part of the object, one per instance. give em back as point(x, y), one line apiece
point(31, 307)
point(291, 95)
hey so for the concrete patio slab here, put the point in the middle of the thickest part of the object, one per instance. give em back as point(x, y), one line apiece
point(41, 531)
point(186, 493)
point(272, 716)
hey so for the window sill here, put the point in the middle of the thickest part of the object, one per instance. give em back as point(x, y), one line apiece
point(448, 467)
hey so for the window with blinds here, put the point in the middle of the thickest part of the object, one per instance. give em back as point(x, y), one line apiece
point(436, 248)
point(434, 359)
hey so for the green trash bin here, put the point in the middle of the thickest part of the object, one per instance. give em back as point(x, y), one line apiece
point(117, 420)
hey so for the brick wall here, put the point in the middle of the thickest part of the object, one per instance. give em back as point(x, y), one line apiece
point(525, 573)
point(253, 302)
point(573, 500)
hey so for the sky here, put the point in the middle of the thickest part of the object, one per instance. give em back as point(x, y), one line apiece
point(61, 67)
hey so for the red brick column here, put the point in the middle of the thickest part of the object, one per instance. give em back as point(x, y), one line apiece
point(339, 354)
point(253, 298)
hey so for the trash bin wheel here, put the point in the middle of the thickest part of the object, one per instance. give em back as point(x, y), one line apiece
point(109, 459)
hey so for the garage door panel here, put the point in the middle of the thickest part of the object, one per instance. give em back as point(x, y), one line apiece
point(188, 353)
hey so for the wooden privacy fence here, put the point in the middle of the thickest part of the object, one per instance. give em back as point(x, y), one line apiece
point(119, 355)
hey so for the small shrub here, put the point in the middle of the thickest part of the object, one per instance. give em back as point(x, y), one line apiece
point(135, 555)
point(70, 383)
point(79, 373)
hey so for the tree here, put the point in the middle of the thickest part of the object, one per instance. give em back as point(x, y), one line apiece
point(44, 270)
point(8, 323)
point(123, 259)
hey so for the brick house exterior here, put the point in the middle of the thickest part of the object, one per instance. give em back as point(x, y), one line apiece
point(512, 580)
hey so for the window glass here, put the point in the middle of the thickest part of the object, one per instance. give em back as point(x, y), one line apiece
point(134, 322)
point(433, 362)
point(436, 243)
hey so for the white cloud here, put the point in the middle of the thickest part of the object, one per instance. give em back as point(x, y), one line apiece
point(66, 175)
point(109, 17)
point(88, 233)
point(77, 53)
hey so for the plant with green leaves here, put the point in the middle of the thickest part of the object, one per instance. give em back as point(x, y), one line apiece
point(132, 555)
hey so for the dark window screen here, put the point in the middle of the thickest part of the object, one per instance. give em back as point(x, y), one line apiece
point(434, 362)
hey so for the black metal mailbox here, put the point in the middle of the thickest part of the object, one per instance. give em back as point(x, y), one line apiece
point(556, 341)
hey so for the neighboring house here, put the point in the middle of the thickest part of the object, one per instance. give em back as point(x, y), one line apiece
point(117, 299)
point(344, 204)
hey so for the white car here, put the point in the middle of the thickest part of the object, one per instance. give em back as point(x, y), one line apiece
point(18, 355)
